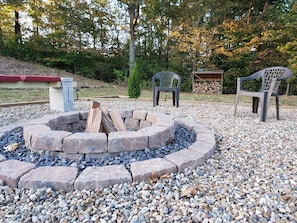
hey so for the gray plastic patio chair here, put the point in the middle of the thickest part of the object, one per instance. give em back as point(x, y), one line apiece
point(271, 78)
point(164, 82)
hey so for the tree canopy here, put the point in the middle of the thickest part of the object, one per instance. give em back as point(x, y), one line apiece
point(102, 38)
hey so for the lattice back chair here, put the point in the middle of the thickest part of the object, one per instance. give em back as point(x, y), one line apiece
point(164, 82)
point(270, 78)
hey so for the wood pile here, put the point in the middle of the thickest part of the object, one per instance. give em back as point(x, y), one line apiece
point(102, 120)
point(207, 87)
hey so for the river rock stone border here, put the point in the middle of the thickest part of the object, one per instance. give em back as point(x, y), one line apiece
point(153, 128)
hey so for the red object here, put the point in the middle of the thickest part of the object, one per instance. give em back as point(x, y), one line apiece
point(8, 78)
point(40, 78)
point(15, 78)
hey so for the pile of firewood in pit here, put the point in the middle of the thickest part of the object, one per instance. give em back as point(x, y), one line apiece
point(102, 120)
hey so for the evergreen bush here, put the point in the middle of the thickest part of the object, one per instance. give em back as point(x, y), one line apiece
point(134, 89)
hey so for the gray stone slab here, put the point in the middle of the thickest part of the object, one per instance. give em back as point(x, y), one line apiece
point(151, 117)
point(12, 170)
point(48, 140)
point(126, 141)
point(83, 115)
point(158, 135)
point(186, 159)
point(148, 169)
point(85, 143)
point(205, 137)
point(132, 122)
point(126, 113)
point(206, 148)
point(70, 117)
point(55, 177)
point(139, 114)
point(100, 177)
point(29, 130)
point(144, 123)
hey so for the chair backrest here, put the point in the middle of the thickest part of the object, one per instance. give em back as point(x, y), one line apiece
point(267, 74)
point(166, 79)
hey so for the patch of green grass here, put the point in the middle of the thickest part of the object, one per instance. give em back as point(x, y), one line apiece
point(109, 90)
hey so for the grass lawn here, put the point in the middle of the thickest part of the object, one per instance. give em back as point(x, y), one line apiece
point(11, 96)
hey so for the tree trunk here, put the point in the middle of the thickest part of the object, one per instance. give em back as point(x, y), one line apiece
point(134, 15)
point(17, 28)
point(1, 39)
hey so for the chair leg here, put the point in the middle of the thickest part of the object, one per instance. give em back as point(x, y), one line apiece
point(255, 104)
point(264, 109)
point(158, 96)
point(236, 103)
point(154, 98)
point(277, 107)
point(173, 97)
point(177, 98)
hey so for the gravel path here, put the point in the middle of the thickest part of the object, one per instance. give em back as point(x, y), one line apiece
point(252, 177)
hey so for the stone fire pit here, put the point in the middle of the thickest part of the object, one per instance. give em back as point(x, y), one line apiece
point(62, 135)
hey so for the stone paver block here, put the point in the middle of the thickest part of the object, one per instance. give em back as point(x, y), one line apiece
point(144, 123)
point(126, 114)
point(206, 148)
point(65, 127)
point(55, 123)
point(151, 117)
point(100, 177)
point(82, 142)
point(29, 130)
point(139, 114)
point(126, 141)
point(83, 115)
point(12, 170)
point(56, 177)
point(158, 135)
point(148, 169)
point(48, 140)
point(205, 137)
point(79, 126)
point(70, 117)
point(132, 122)
point(186, 159)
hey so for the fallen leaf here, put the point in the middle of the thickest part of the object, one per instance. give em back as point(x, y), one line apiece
point(191, 191)
point(11, 147)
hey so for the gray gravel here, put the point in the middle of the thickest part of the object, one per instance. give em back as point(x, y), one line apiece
point(252, 177)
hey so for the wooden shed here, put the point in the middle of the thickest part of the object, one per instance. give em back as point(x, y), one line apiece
point(207, 82)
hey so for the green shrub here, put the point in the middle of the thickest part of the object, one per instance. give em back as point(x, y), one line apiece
point(134, 89)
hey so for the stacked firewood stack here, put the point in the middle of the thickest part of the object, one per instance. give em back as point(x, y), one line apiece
point(100, 119)
point(207, 87)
